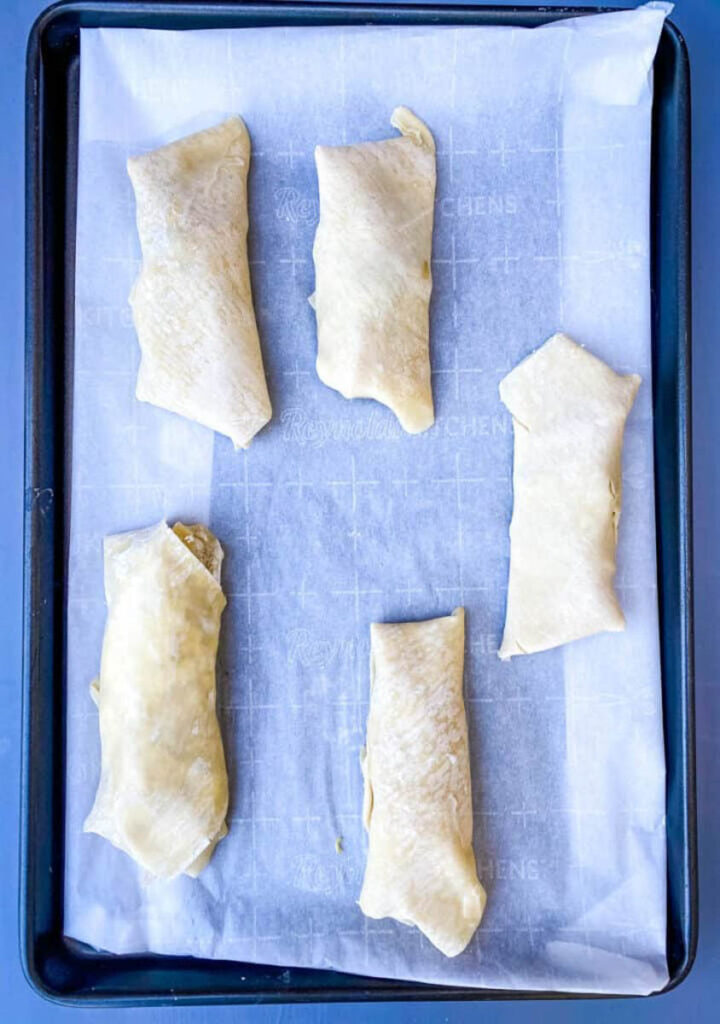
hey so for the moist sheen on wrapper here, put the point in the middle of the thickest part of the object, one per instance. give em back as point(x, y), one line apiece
point(192, 301)
point(163, 791)
point(373, 277)
point(418, 804)
point(569, 411)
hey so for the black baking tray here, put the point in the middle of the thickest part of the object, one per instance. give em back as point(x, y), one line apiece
point(68, 971)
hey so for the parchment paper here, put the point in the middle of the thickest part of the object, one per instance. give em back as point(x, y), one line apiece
point(335, 518)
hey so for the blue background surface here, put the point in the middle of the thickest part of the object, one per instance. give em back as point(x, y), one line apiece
point(698, 998)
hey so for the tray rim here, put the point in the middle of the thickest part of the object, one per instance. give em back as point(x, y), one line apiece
point(38, 513)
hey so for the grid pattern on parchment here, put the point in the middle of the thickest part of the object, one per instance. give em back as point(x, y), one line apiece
point(334, 518)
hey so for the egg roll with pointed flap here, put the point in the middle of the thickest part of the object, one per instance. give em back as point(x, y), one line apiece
point(569, 410)
point(373, 277)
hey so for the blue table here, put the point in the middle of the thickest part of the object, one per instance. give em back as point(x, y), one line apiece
point(698, 999)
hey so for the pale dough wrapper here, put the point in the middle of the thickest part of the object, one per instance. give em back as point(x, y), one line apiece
point(373, 275)
point(418, 804)
point(569, 411)
point(192, 302)
point(163, 791)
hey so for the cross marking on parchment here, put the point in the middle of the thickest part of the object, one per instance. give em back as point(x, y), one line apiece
point(503, 151)
point(303, 592)
point(457, 479)
point(523, 815)
point(291, 153)
point(506, 259)
point(404, 483)
point(293, 260)
point(300, 483)
point(246, 485)
point(457, 371)
point(353, 483)
point(296, 374)
point(455, 261)
point(251, 647)
point(357, 592)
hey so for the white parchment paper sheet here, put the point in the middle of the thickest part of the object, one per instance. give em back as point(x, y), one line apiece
point(335, 518)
